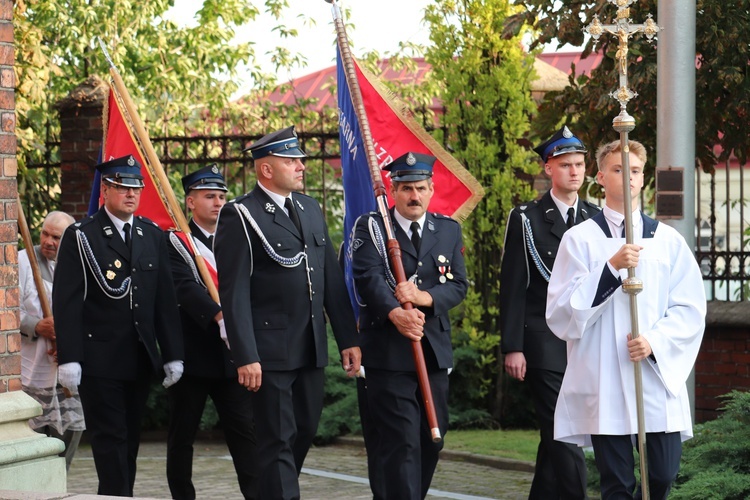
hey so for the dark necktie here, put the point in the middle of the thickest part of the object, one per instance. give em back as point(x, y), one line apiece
point(292, 214)
point(126, 230)
point(571, 217)
point(211, 242)
point(416, 240)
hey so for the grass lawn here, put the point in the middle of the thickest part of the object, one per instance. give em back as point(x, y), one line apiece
point(515, 444)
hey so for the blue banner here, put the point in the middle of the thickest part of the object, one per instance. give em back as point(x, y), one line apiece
point(358, 194)
point(95, 189)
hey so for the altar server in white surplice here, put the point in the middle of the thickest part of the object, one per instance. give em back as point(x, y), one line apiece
point(587, 308)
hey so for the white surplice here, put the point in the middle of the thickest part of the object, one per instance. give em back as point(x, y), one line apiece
point(598, 390)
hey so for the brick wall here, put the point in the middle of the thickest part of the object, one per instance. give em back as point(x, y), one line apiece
point(80, 139)
point(10, 338)
point(723, 364)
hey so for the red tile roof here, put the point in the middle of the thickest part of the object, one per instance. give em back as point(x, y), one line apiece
point(318, 85)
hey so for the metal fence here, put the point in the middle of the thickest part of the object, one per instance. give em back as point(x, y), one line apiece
point(722, 226)
point(720, 207)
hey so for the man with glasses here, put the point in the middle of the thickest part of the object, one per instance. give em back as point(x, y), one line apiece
point(117, 321)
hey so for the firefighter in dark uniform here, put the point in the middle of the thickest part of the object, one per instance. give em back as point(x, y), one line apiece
point(209, 370)
point(277, 275)
point(117, 321)
point(532, 353)
point(400, 452)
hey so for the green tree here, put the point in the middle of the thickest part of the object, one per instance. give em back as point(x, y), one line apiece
point(722, 86)
point(485, 88)
point(178, 76)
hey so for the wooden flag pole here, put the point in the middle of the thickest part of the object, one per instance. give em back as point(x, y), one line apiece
point(160, 177)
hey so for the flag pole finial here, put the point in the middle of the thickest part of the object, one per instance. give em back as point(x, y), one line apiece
point(106, 53)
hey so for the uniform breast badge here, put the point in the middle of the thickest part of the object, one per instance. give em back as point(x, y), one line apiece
point(444, 268)
point(118, 265)
point(111, 275)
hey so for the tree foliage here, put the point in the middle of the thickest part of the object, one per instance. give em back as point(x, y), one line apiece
point(485, 79)
point(179, 76)
point(722, 83)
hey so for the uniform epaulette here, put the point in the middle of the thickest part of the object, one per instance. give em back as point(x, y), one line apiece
point(148, 221)
point(592, 205)
point(79, 224)
point(239, 198)
point(443, 217)
point(526, 206)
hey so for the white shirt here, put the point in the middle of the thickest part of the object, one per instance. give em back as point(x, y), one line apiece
point(563, 207)
point(277, 198)
point(406, 223)
point(120, 224)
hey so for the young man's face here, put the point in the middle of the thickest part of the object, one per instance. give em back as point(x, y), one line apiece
point(412, 198)
point(567, 172)
point(610, 177)
point(205, 205)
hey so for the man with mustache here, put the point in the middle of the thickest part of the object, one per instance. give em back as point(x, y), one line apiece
point(400, 453)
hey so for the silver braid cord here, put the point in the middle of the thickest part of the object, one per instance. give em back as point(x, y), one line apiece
point(535, 257)
point(185, 254)
point(84, 248)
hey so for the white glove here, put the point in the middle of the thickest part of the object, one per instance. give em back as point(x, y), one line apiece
point(173, 369)
point(69, 376)
point(223, 333)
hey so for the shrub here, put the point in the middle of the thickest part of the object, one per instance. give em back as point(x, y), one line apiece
point(716, 462)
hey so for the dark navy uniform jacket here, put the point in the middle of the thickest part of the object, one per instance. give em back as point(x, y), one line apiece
point(103, 333)
point(523, 288)
point(268, 309)
point(441, 254)
point(206, 355)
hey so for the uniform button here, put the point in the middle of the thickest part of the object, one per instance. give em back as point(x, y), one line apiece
point(313, 293)
point(305, 246)
point(133, 269)
point(90, 335)
point(312, 317)
point(419, 264)
point(135, 305)
point(278, 244)
point(312, 269)
point(549, 253)
point(135, 288)
point(420, 282)
point(150, 265)
point(136, 323)
point(265, 323)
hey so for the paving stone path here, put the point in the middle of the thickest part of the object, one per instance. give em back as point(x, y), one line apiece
point(331, 472)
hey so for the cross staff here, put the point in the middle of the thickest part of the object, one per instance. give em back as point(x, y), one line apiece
point(623, 29)
point(623, 123)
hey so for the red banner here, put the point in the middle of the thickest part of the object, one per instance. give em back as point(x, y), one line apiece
point(395, 132)
point(119, 140)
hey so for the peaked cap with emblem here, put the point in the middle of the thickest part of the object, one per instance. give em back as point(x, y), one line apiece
point(563, 142)
point(283, 143)
point(208, 177)
point(411, 167)
point(124, 171)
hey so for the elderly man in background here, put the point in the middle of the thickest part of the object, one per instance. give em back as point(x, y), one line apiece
point(62, 414)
